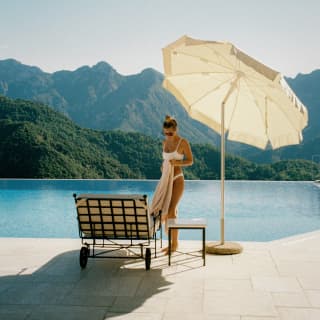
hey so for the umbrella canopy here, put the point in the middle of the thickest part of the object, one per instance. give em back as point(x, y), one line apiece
point(230, 92)
point(260, 107)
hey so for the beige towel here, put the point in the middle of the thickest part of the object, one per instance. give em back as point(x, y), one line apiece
point(162, 195)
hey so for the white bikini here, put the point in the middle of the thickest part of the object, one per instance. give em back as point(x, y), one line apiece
point(175, 155)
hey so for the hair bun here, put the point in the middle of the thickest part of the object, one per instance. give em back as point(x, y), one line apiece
point(170, 122)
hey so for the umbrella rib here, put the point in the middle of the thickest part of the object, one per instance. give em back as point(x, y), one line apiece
point(220, 56)
point(296, 103)
point(254, 97)
point(202, 72)
point(237, 63)
point(252, 75)
point(208, 92)
point(229, 65)
point(233, 111)
point(205, 60)
point(274, 101)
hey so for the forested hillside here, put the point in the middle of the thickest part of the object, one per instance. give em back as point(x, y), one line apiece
point(38, 142)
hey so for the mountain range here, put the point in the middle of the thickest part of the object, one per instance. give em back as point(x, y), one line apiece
point(100, 98)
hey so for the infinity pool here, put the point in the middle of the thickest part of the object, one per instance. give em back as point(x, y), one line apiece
point(254, 210)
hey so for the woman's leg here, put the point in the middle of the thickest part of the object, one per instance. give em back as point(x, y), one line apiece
point(177, 191)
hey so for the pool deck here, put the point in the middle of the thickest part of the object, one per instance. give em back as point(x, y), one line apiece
point(42, 279)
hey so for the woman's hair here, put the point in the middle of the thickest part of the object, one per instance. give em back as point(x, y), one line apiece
point(170, 122)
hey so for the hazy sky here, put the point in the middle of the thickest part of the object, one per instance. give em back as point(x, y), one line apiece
point(129, 34)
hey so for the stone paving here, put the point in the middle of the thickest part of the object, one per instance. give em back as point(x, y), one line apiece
point(278, 280)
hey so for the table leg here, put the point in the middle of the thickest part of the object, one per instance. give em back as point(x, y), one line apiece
point(204, 246)
point(169, 246)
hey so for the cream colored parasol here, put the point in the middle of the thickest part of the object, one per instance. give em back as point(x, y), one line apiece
point(235, 95)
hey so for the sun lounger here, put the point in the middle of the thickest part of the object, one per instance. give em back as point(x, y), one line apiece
point(116, 222)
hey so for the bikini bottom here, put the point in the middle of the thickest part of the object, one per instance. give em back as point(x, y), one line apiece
point(177, 176)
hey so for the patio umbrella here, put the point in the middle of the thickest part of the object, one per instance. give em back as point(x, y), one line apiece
point(235, 95)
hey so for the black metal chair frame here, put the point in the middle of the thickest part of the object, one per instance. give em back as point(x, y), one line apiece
point(96, 240)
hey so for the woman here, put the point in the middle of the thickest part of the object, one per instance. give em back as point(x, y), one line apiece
point(176, 154)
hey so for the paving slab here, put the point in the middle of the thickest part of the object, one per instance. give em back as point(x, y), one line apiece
point(277, 280)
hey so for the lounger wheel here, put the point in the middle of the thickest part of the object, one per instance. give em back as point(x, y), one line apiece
point(148, 258)
point(84, 254)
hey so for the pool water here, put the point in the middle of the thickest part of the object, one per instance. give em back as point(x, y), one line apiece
point(254, 210)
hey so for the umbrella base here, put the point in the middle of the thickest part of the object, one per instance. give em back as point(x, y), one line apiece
point(227, 248)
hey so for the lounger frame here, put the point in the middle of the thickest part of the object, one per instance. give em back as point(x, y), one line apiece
point(109, 223)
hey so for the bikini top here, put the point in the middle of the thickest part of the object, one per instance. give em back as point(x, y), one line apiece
point(175, 155)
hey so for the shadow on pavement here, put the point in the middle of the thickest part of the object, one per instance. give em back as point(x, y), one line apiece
point(60, 289)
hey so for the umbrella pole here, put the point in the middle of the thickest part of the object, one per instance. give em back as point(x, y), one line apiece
point(223, 247)
point(222, 172)
point(222, 154)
